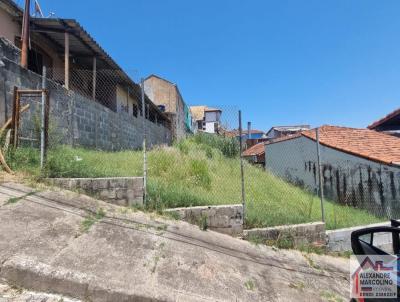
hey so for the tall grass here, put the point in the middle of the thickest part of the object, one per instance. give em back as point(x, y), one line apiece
point(202, 170)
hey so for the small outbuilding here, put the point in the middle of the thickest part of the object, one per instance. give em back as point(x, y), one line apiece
point(360, 167)
point(255, 154)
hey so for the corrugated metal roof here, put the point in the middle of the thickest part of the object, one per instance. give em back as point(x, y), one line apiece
point(83, 45)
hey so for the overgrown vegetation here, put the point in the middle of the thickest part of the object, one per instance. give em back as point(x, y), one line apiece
point(201, 170)
point(89, 221)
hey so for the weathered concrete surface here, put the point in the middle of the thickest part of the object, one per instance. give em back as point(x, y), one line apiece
point(123, 191)
point(300, 234)
point(132, 256)
point(9, 293)
point(226, 219)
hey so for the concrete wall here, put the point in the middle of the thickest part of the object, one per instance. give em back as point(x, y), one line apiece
point(74, 119)
point(227, 219)
point(340, 240)
point(123, 191)
point(347, 179)
point(299, 234)
point(9, 28)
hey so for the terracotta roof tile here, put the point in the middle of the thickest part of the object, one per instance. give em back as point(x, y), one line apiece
point(257, 149)
point(364, 143)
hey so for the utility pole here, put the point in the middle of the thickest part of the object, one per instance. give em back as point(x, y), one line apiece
point(144, 143)
point(25, 35)
point(241, 165)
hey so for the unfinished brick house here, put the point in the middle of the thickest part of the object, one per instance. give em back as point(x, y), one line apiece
point(167, 96)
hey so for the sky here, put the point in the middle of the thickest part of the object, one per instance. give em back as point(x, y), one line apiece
point(281, 62)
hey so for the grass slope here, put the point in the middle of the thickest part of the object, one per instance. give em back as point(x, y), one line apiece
point(201, 170)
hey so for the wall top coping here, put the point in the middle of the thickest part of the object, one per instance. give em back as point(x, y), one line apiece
point(96, 178)
point(350, 229)
point(288, 226)
point(205, 207)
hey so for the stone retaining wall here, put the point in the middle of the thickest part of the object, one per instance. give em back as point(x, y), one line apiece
point(299, 234)
point(227, 219)
point(124, 191)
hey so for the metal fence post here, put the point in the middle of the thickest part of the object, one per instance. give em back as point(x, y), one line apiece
point(144, 144)
point(241, 165)
point(321, 187)
point(43, 117)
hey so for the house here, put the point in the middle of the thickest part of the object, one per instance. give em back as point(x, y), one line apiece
point(255, 154)
point(280, 131)
point(76, 62)
point(360, 167)
point(167, 96)
point(389, 124)
point(207, 119)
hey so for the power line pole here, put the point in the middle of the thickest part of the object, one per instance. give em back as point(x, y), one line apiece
point(144, 144)
point(25, 35)
point(241, 164)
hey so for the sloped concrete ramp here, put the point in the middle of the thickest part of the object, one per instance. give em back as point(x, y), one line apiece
point(61, 242)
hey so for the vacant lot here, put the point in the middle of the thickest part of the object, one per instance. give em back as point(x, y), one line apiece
point(201, 170)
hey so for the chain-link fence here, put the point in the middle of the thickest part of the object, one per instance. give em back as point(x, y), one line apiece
point(97, 124)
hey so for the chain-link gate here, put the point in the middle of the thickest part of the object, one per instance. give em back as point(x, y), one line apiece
point(30, 121)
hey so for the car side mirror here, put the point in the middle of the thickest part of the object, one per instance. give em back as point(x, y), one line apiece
point(376, 241)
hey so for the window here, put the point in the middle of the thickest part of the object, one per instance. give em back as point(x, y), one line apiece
point(135, 110)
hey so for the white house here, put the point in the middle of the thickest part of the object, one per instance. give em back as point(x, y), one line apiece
point(207, 119)
point(360, 167)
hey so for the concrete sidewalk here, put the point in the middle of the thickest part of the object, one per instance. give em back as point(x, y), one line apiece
point(60, 242)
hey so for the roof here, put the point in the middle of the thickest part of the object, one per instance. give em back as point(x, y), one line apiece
point(290, 128)
point(235, 132)
point(11, 7)
point(393, 115)
point(257, 149)
point(369, 144)
point(198, 111)
point(84, 47)
point(210, 109)
point(160, 78)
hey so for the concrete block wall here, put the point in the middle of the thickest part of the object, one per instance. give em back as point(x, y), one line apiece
point(301, 234)
point(74, 119)
point(226, 219)
point(123, 191)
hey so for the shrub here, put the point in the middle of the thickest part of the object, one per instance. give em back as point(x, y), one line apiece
point(228, 146)
point(200, 173)
point(26, 159)
point(171, 195)
point(64, 162)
